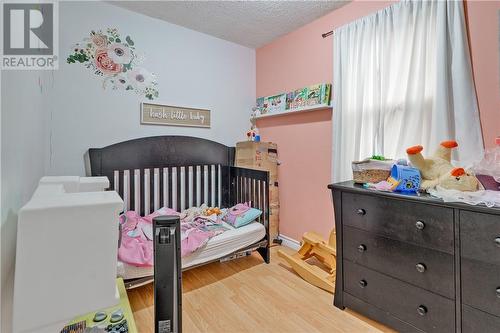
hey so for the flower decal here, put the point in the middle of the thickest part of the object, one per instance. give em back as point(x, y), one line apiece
point(120, 53)
point(99, 40)
point(140, 78)
point(105, 64)
point(115, 59)
point(120, 82)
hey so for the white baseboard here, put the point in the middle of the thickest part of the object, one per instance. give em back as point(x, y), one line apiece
point(289, 242)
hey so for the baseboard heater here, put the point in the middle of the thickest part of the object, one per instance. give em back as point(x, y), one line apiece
point(167, 274)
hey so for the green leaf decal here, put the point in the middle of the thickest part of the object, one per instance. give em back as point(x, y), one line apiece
point(129, 41)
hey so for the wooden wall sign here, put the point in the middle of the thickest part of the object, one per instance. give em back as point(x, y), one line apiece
point(156, 114)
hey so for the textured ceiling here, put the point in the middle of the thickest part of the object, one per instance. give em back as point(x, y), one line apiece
point(249, 23)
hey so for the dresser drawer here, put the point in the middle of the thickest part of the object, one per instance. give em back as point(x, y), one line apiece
point(475, 321)
point(435, 270)
point(480, 236)
point(421, 224)
point(420, 308)
point(480, 282)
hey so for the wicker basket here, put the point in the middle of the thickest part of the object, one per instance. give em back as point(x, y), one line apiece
point(371, 171)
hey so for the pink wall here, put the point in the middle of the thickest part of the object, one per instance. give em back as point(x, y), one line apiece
point(482, 18)
point(302, 58)
point(299, 59)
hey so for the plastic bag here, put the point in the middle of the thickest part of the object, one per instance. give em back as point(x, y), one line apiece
point(490, 164)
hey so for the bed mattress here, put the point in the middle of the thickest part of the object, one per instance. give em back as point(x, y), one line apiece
point(217, 247)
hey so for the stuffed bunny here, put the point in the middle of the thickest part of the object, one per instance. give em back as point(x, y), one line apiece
point(438, 170)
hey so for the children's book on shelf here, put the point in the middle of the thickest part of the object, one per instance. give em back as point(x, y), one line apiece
point(313, 95)
point(316, 94)
point(272, 104)
point(296, 98)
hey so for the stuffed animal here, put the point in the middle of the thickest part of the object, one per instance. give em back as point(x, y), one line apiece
point(212, 210)
point(438, 170)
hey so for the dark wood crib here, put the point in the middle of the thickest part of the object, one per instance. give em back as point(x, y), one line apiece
point(180, 172)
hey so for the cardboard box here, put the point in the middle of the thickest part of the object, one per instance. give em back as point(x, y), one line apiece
point(263, 156)
point(274, 219)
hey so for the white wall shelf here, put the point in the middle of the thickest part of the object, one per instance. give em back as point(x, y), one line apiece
point(298, 110)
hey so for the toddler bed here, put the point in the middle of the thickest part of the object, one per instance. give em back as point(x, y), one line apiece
point(181, 172)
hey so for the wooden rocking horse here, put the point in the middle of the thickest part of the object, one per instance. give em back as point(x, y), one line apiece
point(314, 246)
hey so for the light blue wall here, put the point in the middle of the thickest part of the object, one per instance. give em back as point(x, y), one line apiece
point(23, 162)
point(193, 69)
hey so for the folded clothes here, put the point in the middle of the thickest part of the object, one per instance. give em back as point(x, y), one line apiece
point(486, 197)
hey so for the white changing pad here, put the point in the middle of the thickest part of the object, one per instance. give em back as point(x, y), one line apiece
point(217, 247)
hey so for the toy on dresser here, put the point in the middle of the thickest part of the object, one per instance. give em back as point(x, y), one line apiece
point(438, 170)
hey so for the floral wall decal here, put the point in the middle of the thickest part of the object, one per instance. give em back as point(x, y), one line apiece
point(108, 55)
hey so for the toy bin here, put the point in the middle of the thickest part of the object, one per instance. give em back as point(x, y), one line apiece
point(407, 178)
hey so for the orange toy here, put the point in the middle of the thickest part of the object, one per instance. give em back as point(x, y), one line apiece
point(211, 211)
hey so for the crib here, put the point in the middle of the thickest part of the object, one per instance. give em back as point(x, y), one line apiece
point(180, 172)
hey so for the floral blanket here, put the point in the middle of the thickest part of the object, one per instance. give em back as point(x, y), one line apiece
point(136, 246)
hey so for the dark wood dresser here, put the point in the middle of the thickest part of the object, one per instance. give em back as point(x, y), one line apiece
point(415, 263)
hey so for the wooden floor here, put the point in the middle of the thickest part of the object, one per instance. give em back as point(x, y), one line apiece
point(247, 295)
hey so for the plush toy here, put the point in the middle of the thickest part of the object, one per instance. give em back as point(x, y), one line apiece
point(211, 211)
point(438, 170)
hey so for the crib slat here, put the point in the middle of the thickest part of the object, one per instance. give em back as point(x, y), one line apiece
point(238, 188)
point(266, 209)
point(156, 189)
point(249, 191)
point(137, 191)
point(182, 188)
point(241, 189)
point(166, 187)
point(174, 187)
point(259, 200)
point(198, 185)
point(116, 181)
point(219, 186)
point(212, 185)
point(252, 196)
point(190, 187)
point(245, 186)
point(126, 189)
point(205, 184)
point(146, 186)
point(186, 187)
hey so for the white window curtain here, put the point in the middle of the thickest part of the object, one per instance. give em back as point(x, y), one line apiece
point(402, 77)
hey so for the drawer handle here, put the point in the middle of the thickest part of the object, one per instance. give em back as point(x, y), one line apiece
point(361, 211)
point(422, 310)
point(362, 248)
point(497, 241)
point(363, 283)
point(420, 225)
point(498, 292)
point(421, 267)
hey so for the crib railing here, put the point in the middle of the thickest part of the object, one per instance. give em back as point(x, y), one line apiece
point(146, 190)
point(252, 186)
